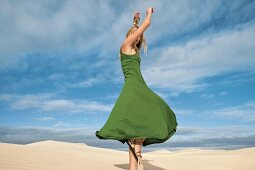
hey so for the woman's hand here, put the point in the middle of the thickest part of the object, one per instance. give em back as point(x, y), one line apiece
point(149, 11)
point(137, 15)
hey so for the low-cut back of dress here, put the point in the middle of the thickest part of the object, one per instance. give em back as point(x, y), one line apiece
point(138, 111)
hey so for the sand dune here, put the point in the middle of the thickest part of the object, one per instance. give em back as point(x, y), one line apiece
point(56, 155)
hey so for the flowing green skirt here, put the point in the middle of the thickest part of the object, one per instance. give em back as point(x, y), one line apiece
point(138, 111)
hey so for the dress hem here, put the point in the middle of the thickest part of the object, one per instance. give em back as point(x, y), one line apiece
point(148, 139)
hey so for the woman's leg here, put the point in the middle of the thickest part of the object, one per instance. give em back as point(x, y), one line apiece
point(133, 164)
point(132, 161)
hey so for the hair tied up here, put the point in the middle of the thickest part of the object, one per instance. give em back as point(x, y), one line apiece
point(136, 18)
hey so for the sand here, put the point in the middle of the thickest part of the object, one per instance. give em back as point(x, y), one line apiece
point(57, 155)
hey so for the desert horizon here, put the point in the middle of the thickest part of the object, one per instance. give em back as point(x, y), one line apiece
point(50, 154)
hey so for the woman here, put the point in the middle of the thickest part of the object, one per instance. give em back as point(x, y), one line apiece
point(139, 117)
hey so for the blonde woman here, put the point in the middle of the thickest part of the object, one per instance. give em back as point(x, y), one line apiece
point(139, 117)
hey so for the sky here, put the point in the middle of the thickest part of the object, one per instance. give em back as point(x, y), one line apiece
point(61, 75)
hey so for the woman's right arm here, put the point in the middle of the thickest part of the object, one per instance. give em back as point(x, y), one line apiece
point(146, 23)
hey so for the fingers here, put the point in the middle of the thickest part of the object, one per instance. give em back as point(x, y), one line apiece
point(149, 10)
point(137, 14)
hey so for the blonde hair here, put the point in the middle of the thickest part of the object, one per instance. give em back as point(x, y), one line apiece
point(142, 41)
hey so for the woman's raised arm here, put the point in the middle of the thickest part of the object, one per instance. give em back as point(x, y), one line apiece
point(146, 23)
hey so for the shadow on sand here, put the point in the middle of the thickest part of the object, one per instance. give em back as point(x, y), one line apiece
point(146, 165)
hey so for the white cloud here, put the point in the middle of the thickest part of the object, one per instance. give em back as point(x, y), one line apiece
point(51, 26)
point(74, 27)
point(49, 102)
point(207, 96)
point(57, 104)
point(223, 93)
point(182, 68)
point(88, 82)
point(61, 124)
point(56, 76)
point(46, 118)
point(191, 132)
point(182, 112)
point(244, 112)
point(237, 79)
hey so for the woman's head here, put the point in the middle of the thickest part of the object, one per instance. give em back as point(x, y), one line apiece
point(140, 42)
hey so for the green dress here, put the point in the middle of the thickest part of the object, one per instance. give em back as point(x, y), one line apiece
point(138, 111)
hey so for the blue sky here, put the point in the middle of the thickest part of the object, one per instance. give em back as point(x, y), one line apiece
point(61, 75)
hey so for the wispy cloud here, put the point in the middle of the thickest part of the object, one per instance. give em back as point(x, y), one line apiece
point(88, 82)
point(210, 96)
point(183, 67)
point(190, 132)
point(244, 112)
point(223, 93)
point(194, 58)
point(49, 102)
point(44, 118)
point(207, 96)
point(50, 25)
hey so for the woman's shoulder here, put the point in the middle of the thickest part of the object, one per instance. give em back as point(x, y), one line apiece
point(124, 49)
